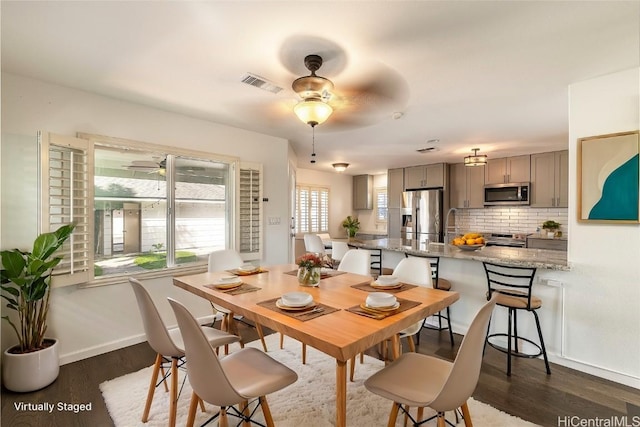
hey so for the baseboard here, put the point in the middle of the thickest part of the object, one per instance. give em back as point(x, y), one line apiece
point(97, 350)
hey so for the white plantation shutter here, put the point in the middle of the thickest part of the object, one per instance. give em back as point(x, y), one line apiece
point(381, 205)
point(312, 209)
point(250, 214)
point(66, 187)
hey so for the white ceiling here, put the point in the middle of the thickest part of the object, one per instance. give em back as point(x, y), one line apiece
point(471, 74)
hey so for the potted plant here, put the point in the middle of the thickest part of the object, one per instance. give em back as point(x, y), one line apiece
point(352, 225)
point(551, 226)
point(25, 280)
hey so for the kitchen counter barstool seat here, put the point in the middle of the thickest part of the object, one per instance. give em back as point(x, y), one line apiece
point(512, 287)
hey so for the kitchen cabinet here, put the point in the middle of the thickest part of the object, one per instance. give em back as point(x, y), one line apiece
point(394, 223)
point(424, 176)
point(362, 192)
point(395, 187)
point(508, 170)
point(466, 185)
point(550, 180)
point(542, 243)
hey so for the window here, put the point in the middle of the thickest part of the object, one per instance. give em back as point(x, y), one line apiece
point(140, 207)
point(312, 209)
point(381, 205)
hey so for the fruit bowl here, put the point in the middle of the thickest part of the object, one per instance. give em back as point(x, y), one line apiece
point(469, 247)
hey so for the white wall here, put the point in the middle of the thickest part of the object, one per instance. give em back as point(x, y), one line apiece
point(603, 288)
point(95, 320)
point(367, 217)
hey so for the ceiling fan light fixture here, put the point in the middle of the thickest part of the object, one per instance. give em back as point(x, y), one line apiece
point(475, 160)
point(340, 167)
point(313, 111)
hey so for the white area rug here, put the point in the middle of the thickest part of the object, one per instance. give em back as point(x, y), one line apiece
point(308, 402)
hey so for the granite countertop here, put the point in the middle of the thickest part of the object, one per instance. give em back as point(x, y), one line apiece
point(523, 257)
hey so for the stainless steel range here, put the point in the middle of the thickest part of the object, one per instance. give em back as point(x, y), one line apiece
point(513, 240)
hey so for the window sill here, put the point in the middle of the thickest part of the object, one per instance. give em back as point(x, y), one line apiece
point(165, 272)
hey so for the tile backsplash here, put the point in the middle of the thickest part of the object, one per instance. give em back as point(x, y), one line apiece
point(513, 219)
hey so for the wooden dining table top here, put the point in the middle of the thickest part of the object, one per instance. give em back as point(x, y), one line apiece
point(340, 334)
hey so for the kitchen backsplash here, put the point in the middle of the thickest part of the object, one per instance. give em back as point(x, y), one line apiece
point(514, 219)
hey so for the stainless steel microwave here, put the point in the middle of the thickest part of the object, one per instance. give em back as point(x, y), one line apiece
point(506, 194)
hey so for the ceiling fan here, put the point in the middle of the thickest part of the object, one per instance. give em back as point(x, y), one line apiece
point(160, 167)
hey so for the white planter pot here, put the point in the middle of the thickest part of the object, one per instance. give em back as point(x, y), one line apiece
point(31, 371)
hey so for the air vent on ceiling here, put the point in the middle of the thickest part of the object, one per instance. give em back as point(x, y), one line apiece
point(260, 82)
point(426, 150)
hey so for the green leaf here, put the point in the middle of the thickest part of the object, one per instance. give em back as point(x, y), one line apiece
point(11, 301)
point(12, 290)
point(43, 244)
point(13, 263)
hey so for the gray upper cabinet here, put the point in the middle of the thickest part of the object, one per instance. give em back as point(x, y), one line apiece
point(508, 169)
point(363, 192)
point(424, 176)
point(466, 186)
point(395, 187)
point(550, 180)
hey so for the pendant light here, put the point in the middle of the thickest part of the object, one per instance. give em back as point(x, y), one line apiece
point(476, 159)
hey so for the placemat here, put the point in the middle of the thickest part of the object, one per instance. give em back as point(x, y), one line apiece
point(323, 275)
point(239, 272)
point(242, 289)
point(405, 304)
point(368, 288)
point(302, 315)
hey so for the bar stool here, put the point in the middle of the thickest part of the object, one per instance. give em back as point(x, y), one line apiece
point(444, 285)
point(513, 286)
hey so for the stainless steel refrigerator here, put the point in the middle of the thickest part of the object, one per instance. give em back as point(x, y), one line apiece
point(425, 221)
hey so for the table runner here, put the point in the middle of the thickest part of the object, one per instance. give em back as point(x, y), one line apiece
point(302, 315)
point(405, 304)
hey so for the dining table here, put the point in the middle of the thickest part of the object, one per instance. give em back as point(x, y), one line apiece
point(339, 329)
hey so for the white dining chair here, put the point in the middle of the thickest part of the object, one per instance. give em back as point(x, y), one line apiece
point(313, 243)
point(229, 259)
point(338, 249)
point(356, 261)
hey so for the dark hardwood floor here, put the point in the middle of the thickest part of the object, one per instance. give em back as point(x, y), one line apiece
point(529, 393)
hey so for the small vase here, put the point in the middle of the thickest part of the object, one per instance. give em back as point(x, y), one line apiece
point(309, 276)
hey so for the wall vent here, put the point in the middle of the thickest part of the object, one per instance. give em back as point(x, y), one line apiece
point(260, 82)
point(426, 150)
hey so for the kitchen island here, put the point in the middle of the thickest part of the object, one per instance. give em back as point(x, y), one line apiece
point(523, 257)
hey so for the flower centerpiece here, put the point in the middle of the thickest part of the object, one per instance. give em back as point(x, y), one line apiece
point(309, 266)
point(352, 225)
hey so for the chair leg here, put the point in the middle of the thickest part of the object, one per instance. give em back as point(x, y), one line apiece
point(544, 350)
point(281, 340)
point(393, 415)
point(515, 332)
point(201, 402)
point(164, 383)
point(420, 413)
point(509, 343)
point(173, 404)
point(304, 354)
point(193, 405)
point(352, 368)
point(244, 410)
point(466, 415)
point(412, 346)
point(449, 325)
point(441, 420)
point(266, 411)
point(152, 387)
point(407, 408)
point(361, 358)
point(261, 335)
point(223, 420)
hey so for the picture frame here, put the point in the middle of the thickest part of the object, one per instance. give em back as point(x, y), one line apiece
point(608, 178)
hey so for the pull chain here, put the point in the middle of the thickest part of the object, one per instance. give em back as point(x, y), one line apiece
point(313, 144)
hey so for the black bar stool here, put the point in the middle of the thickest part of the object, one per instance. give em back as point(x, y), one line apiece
point(513, 285)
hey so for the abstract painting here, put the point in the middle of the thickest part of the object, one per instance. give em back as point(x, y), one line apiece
point(608, 178)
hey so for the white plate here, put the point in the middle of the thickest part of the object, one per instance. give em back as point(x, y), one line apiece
point(282, 306)
point(388, 308)
point(326, 270)
point(387, 279)
point(228, 281)
point(248, 268)
point(389, 286)
point(380, 299)
point(296, 299)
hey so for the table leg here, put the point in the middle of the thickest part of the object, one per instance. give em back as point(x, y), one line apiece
point(395, 343)
point(341, 393)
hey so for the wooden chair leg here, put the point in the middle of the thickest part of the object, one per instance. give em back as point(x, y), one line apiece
point(304, 354)
point(266, 411)
point(352, 368)
point(201, 402)
point(193, 405)
point(224, 420)
point(407, 408)
point(244, 410)
point(420, 413)
point(173, 404)
point(466, 415)
point(261, 335)
point(361, 358)
point(412, 345)
point(393, 415)
point(441, 421)
point(281, 340)
point(164, 383)
point(152, 387)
